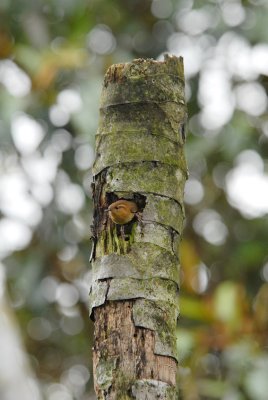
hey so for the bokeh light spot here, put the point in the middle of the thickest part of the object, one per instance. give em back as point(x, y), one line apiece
point(161, 9)
point(194, 191)
point(39, 328)
point(208, 224)
point(27, 133)
point(84, 157)
point(101, 40)
point(15, 80)
point(14, 236)
point(70, 198)
point(67, 295)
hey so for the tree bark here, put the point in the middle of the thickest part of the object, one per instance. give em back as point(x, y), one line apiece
point(134, 295)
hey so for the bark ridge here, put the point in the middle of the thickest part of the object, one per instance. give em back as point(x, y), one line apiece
point(134, 295)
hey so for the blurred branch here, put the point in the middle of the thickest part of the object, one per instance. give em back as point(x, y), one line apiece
point(44, 67)
point(17, 378)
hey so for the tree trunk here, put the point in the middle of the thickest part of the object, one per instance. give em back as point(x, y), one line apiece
point(134, 295)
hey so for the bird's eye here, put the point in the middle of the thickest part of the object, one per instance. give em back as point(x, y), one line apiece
point(116, 207)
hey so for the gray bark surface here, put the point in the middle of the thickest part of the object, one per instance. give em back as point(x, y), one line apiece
point(134, 295)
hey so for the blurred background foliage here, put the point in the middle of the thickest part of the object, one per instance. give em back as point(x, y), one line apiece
point(53, 57)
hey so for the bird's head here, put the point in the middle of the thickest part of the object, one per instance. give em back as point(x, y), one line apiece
point(122, 211)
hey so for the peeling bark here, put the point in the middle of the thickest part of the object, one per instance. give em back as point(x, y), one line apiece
point(134, 295)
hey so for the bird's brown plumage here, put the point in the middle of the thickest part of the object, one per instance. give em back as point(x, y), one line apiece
point(122, 211)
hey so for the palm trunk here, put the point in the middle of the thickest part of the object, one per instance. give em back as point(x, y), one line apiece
point(134, 296)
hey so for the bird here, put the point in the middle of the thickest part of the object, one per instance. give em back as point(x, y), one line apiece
point(122, 211)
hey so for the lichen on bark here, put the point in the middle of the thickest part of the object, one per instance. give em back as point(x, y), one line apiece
point(151, 390)
point(143, 261)
point(134, 295)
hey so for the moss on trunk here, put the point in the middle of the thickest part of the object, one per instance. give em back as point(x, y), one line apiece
point(134, 295)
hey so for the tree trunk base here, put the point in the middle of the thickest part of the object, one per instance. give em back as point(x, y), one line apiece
point(124, 353)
